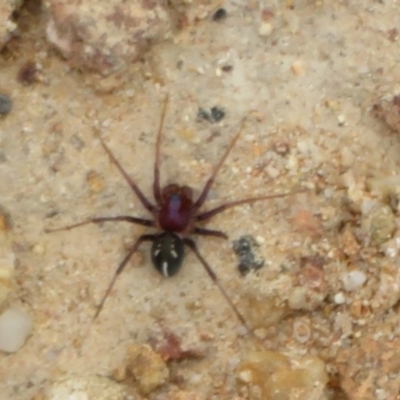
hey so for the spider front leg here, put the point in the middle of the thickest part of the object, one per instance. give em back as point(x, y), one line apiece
point(157, 162)
point(124, 218)
point(211, 213)
point(143, 199)
point(203, 196)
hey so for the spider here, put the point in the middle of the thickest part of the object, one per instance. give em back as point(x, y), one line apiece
point(177, 215)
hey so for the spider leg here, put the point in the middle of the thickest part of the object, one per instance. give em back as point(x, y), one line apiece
point(209, 214)
point(132, 220)
point(192, 245)
point(121, 267)
point(209, 232)
point(156, 184)
point(203, 196)
point(146, 203)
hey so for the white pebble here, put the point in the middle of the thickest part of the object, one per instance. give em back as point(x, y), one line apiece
point(341, 120)
point(15, 326)
point(353, 280)
point(245, 376)
point(260, 240)
point(265, 29)
point(339, 298)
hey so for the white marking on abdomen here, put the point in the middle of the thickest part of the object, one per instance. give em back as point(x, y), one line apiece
point(165, 269)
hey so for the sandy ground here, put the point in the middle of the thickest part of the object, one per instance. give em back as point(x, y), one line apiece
point(308, 82)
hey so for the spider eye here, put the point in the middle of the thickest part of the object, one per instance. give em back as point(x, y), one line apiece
point(167, 253)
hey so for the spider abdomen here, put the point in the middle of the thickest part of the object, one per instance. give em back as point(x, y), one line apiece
point(167, 252)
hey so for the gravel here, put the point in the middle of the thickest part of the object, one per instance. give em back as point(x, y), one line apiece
point(15, 327)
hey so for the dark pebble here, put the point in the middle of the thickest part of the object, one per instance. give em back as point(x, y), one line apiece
point(219, 15)
point(246, 249)
point(5, 104)
point(215, 114)
point(27, 73)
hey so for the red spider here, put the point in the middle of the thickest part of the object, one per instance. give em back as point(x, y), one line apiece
point(176, 215)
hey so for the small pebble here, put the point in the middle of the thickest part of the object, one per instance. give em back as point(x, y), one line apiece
point(339, 298)
point(282, 148)
point(379, 224)
point(298, 298)
point(95, 181)
point(271, 375)
point(341, 120)
point(147, 367)
point(216, 114)
point(77, 143)
point(353, 280)
point(85, 387)
point(28, 73)
point(298, 68)
point(7, 267)
point(245, 376)
point(227, 68)
point(260, 240)
point(5, 220)
point(265, 29)
point(15, 327)
point(246, 249)
point(38, 248)
point(5, 104)
point(219, 15)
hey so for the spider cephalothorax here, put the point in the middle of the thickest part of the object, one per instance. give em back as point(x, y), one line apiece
point(176, 213)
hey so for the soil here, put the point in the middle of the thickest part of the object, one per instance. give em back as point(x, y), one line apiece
point(306, 77)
